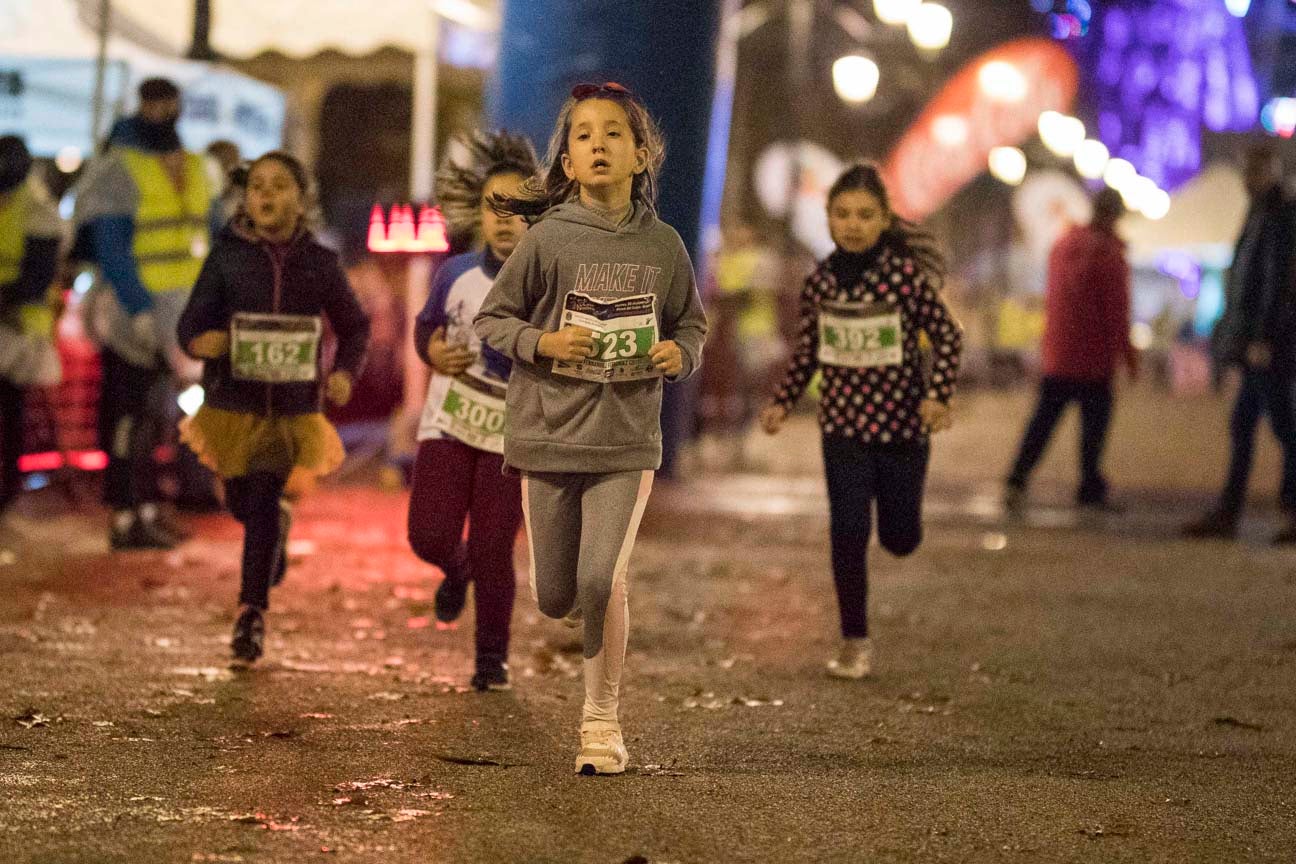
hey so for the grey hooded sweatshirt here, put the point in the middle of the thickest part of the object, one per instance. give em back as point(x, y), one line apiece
point(562, 424)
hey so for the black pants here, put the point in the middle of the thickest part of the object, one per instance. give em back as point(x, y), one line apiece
point(860, 475)
point(1095, 399)
point(1263, 392)
point(12, 417)
point(254, 501)
point(130, 429)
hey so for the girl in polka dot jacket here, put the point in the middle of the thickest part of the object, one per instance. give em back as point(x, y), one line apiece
point(862, 312)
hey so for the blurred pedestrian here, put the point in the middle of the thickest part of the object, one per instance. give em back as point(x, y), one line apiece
point(1086, 338)
point(30, 234)
point(594, 307)
point(745, 329)
point(459, 471)
point(255, 319)
point(147, 211)
point(1257, 333)
point(863, 311)
point(225, 160)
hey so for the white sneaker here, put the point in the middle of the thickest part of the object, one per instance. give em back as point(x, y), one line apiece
point(602, 750)
point(854, 661)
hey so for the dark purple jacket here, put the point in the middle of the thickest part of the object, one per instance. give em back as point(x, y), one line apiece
point(244, 273)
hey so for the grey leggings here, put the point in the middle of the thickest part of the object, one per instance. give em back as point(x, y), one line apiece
point(581, 529)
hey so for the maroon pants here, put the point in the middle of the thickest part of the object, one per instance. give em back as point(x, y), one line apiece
point(453, 481)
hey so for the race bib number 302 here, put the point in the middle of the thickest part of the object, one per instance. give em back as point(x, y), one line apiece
point(624, 331)
point(275, 348)
point(862, 335)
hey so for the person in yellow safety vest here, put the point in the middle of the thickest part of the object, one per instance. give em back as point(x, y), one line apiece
point(746, 279)
point(30, 233)
point(147, 210)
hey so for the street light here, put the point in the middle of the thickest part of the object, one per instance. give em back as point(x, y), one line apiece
point(1138, 192)
point(1091, 158)
point(895, 12)
point(1119, 173)
point(855, 78)
point(951, 130)
point(1157, 205)
point(930, 26)
point(1008, 164)
point(1060, 133)
point(1002, 81)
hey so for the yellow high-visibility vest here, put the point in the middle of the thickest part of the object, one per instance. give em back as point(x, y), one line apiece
point(34, 318)
point(13, 233)
point(171, 233)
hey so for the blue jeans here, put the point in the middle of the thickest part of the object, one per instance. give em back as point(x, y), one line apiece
point(1263, 391)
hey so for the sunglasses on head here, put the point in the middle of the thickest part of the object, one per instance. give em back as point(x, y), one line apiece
point(607, 88)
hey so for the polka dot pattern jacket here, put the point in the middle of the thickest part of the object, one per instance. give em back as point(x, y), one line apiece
point(877, 405)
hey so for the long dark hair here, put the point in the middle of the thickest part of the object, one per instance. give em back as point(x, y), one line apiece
point(903, 237)
point(460, 181)
point(549, 186)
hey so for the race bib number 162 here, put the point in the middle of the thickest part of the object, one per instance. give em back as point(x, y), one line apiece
point(274, 348)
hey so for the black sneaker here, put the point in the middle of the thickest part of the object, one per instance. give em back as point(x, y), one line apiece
point(141, 535)
point(491, 675)
point(1215, 525)
point(285, 525)
point(1101, 505)
point(1014, 499)
point(249, 637)
point(1286, 535)
point(450, 599)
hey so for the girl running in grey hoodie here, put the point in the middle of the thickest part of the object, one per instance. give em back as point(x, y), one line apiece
point(595, 306)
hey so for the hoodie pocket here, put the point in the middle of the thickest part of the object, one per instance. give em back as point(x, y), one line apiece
point(601, 415)
point(562, 401)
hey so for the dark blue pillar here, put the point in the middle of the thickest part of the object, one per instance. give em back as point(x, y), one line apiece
point(665, 52)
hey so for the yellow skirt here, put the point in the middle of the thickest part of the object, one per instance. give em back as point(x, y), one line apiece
point(231, 443)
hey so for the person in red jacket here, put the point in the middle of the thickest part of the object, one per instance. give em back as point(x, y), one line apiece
point(1086, 338)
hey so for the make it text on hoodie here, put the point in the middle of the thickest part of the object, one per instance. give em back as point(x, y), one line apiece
point(605, 278)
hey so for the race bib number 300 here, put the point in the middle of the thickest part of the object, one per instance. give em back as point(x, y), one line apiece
point(860, 335)
point(473, 412)
point(624, 331)
point(274, 348)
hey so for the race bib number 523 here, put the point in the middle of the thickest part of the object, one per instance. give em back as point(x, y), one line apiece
point(624, 331)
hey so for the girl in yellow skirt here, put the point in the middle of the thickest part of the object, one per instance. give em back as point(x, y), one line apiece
point(255, 318)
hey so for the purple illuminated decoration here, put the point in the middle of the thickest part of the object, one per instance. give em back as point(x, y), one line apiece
point(1184, 269)
point(1163, 72)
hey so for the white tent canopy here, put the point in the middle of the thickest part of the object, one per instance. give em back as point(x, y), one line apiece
point(67, 29)
point(50, 49)
point(1205, 219)
point(298, 28)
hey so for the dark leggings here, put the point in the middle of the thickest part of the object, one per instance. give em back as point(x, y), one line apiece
point(453, 481)
point(860, 475)
point(12, 399)
point(254, 501)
